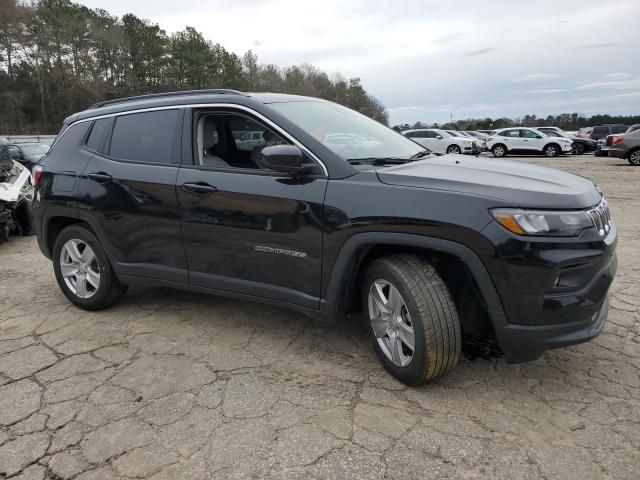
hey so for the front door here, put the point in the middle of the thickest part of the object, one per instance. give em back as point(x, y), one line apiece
point(531, 140)
point(246, 229)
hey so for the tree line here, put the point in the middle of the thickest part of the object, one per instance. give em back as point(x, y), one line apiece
point(58, 57)
point(565, 121)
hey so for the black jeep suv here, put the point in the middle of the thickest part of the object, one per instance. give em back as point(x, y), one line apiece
point(303, 203)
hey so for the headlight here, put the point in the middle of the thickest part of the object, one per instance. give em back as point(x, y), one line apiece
point(530, 222)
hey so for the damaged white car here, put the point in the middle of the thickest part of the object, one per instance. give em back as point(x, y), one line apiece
point(16, 193)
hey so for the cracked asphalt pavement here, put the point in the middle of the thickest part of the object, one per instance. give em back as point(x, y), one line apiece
point(171, 385)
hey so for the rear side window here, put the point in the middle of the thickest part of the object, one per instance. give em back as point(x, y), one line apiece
point(96, 136)
point(599, 130)
point(145, 137)
point(619, 129)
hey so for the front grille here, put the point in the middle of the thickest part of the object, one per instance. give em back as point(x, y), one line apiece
point(601, 217)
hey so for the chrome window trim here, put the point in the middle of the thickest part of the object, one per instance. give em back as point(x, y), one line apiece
point(262, 118)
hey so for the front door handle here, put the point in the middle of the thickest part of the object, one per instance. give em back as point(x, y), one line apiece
point(100, 177)
point(198, 188)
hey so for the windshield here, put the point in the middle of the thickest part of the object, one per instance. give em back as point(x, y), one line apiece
point(348, 134)
point(453, 133)
point(34, 149)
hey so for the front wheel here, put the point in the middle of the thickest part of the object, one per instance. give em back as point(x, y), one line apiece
point(577, 149)
point(83, 271)
point(551, 151)
point(412, 318)
point(454, 149)
point(634, 157)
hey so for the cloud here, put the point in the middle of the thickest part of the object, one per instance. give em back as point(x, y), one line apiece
point(592, 46)
point(618, 76)
point(537, 76)
point(482, 51)
point(610, 85)
point(542, 91)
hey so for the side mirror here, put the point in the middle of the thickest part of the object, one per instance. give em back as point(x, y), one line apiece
point(439, 137)
point(284, 158)
point(15, 155)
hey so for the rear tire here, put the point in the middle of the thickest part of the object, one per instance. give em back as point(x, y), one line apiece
point(634, 157)
point(26, 219)
point(499, 151)
point(421, 303)
point(94, 295)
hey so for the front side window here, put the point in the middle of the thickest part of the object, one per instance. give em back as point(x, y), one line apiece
point(145, 137)
point(363, 137)
point(227, 140)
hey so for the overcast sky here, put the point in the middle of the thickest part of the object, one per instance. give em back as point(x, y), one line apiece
point(427, 60)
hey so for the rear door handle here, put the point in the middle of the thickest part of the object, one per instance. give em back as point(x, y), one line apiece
point(199, 188)
point(100, 177)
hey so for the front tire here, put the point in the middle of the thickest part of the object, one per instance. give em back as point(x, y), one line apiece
point(499, 150)
point(454, 149)
point(412, 319)
point(634, 157)
point(83, 271)
point(552, 150)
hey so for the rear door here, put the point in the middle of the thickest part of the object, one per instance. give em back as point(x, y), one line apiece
point(248, 230)
point(127, 192)
point(511, 138)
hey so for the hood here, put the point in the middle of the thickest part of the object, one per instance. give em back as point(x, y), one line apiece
point(515, 184)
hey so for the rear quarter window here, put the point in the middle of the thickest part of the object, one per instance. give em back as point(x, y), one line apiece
point(97, 134)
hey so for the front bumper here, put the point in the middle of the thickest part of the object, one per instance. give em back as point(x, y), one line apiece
point(566, 147)
point(523, 343)
point(553, 291)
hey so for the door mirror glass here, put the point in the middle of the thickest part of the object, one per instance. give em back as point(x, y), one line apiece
point(284, 158)
point(439, 137)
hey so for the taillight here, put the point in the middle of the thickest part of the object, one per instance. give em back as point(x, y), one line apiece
point(617, 140)
point(36, 173)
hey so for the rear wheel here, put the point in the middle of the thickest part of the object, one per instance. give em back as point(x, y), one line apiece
point(499, 150)
point(634, 157)
point(453, 149)
point(83, 270)
point(552, 150)
point(412, 319)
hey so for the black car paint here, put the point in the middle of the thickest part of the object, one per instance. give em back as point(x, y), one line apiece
point(156, 233)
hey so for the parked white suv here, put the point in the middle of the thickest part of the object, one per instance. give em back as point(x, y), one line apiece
point(526, 140)
point(441, 142)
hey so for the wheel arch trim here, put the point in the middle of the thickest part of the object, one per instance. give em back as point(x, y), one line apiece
point(349, 257)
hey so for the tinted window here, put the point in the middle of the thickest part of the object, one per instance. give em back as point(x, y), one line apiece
point(600, 129)
point(413, 134)
point(620, 129)
point(144, 137)
point(94, 141)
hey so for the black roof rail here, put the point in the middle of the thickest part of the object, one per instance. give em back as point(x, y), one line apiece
point(220, 91)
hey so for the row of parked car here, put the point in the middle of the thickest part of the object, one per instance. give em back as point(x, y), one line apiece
point(550, 141)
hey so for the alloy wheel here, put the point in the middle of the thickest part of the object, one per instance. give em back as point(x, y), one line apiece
point(80, 268)
point(391, 322)
point(634, 158)
point(550, 151)
point(453, 149)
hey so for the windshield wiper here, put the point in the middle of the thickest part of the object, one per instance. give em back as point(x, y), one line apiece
point(378, 161)
point(420, 154)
